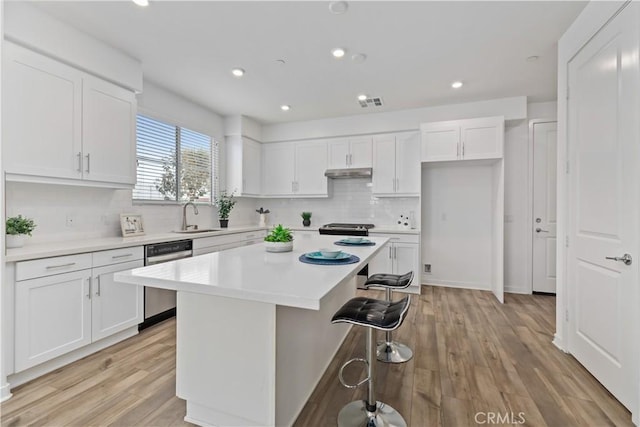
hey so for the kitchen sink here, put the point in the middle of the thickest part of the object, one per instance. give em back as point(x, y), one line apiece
point(200, 230)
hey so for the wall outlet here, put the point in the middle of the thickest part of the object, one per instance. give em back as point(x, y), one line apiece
point(71, 220)
point(427, 268)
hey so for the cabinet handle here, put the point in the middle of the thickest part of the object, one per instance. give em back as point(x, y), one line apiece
point(346, 159)
point(89, 288)
point(350, 159)
point(80, 162)
point(50, 267)
point(458, 150)
point(293, 187)
point(88, 156)
point(98, 285)
point(462, 148)
point(397, 184)
point(395, 252)
point(121, 256)
point(390, 252)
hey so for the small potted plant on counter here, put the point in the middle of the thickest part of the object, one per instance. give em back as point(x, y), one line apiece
point(17, 227)
point(225, 203)
point(279, 239)
point(263, 216)
point(306, 218)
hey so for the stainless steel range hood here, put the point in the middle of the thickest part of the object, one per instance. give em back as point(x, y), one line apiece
point(349, 173)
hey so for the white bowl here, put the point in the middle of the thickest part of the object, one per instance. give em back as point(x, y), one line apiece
point(353, 240)
point(330, 253)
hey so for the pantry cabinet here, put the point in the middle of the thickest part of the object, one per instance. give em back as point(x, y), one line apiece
point(396, 164)
point(356, 152)
point(65, 303)
point(65, 125)
point(470, 139)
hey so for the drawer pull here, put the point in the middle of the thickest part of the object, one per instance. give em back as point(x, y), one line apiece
point(50, 267)
point(121, 256)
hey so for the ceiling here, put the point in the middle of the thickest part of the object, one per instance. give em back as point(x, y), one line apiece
point(414, 49)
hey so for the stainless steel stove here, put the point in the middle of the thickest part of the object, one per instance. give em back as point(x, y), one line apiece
point(346, 229)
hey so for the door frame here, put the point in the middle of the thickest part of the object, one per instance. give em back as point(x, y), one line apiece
point(528, 267)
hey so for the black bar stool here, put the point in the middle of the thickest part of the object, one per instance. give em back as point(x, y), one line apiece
point(390, 351)
point(374, 314)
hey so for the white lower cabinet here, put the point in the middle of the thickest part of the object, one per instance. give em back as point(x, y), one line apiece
point(62, 304)
point(207, 245)
point(401, 256)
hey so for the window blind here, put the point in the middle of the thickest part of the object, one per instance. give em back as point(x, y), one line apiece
point(173, 163)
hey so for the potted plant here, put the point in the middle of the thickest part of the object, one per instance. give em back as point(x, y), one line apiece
point(279, 239)
point(225, 203)
point(17, 227)
point(306, 218)
point(263, 216)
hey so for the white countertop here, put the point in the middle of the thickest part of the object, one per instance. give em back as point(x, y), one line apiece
point(45, 250)
point(251, 273)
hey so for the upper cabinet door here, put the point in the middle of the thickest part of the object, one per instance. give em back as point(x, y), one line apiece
point(482, 138)
point(251, 167)
point(360, 152)
point(338, 151)
point(311, 163)
point(41, 118)
point(440, 141)
point(384, 165)
point(408, 169)
point(108, 132)
point(278, 171)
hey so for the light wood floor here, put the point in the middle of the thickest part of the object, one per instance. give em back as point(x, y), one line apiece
point(472, 355)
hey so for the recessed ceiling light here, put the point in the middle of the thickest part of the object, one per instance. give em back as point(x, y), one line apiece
point(338, 7)
point(456, 85)
point(285, 107)
point(238, 72)
point(362, 97)
point(141, 2)
point(532, 58)
point(338, 52)
point(358, 58)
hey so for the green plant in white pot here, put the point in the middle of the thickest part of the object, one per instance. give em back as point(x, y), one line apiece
point(279, 239)
point(17, 228)
point(225, 203)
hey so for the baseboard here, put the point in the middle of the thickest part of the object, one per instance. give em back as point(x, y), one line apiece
point(559, 342)
point(516, 290)
point(459, 285)
point(5, 393)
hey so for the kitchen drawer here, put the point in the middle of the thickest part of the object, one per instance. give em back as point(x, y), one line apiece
point(396, 238)
point(116, 256)
point(50, 266)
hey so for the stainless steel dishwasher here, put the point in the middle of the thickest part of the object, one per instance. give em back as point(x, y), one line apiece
point(160, 304)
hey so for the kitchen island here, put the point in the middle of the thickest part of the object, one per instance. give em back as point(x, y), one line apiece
point(253, 328)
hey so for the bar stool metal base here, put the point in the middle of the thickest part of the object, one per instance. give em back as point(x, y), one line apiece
point(393, 352)
point(355, 414)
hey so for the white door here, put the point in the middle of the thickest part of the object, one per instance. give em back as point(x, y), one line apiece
point(278, 171)
point(440, 141)
point(360, 152)
point(384, 165)
point(338, 150)
point(408, 164)
point(116, 306)
point(311, 163)
point(108, 132)
point(603, 205)
point(53, 317)
point(544, 207)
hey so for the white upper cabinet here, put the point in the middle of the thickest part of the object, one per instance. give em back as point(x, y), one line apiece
point(244, 166)
point(295, 169)
point(311, 163)
point(108, 132)
point(279, 169)
point(396, 164)
point(64, 124)
point(463, 139)
point(350, 153)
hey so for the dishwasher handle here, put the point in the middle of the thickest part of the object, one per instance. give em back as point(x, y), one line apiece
point(168, 257)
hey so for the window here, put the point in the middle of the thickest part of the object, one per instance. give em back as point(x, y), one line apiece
point(174, 164)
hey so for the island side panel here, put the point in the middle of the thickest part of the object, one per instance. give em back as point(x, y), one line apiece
point(306, 342)
point(226, 358)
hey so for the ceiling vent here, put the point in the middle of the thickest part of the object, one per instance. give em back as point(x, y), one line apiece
point(371, 102)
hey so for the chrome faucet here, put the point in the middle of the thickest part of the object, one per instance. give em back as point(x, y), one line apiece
point(185, 227)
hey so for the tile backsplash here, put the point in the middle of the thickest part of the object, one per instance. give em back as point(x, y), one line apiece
point(95, 212)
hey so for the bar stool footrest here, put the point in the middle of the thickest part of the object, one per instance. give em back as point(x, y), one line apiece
point(355, 414)
point(347, 363)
